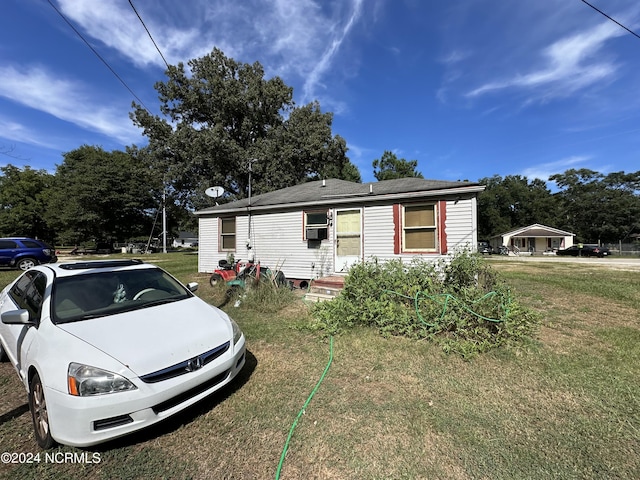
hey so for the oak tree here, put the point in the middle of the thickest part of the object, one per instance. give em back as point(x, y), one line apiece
point(223, 123)
point(100, 195)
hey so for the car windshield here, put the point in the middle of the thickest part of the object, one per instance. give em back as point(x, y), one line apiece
point(86, 296)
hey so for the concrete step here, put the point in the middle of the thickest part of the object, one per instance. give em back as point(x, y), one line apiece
point(318, 297)
point(325, 290)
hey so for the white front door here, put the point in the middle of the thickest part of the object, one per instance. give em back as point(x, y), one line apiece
point(348, 242)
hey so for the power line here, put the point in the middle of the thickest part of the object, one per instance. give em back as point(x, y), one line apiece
point(148, 33)
point(612, 19)
point(98, 55)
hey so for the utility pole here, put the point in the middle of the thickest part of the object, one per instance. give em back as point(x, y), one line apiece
point(164, 218)
point(251, 162)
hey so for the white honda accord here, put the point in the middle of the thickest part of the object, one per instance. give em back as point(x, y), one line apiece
point(105, 348)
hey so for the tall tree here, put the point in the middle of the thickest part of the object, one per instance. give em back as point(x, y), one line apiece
point(102, 195)
point(22, 205)
point(223, 123)
point(389, 166)
point(513, 202)
point(598, 207)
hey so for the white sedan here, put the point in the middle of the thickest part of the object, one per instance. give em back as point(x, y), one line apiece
point(105, 348)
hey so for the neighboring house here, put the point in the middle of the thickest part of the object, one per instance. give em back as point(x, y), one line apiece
point(321, 228)
point(186, 239)
point(534, 238)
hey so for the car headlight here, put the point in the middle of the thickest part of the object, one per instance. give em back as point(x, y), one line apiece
point(237, 333)
point(84, 381)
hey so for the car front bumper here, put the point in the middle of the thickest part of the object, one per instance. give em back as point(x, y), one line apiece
point(87, 421)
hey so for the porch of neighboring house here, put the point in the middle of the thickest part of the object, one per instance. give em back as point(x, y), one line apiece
point(534, 239)
point(324, 288)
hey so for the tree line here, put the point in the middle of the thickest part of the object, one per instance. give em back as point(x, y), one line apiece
point(221, 123)
point(596, 207)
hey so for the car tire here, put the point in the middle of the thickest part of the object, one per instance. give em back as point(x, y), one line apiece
point(215, 279)
point(39, 413)
point(3, 354)
point(26, 263)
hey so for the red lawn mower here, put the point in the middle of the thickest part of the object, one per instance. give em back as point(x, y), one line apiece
point(226, 272)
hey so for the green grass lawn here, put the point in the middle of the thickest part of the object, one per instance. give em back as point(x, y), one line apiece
point(567, 407)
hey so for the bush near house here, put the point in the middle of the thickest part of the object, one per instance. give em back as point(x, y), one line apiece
point(460, 303)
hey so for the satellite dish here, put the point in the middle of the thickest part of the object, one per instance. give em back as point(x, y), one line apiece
point(214, 192)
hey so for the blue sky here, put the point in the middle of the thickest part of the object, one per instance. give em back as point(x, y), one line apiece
point(468, 88)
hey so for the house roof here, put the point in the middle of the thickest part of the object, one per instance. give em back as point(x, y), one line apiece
point(333, 191)
point(537, 230)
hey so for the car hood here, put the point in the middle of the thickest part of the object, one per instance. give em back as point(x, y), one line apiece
point(154, 338)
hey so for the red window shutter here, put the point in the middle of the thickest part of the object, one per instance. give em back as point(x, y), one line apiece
point(442, 231)
point(397, 228)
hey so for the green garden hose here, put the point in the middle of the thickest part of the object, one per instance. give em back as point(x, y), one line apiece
point(444, 299)
point(302, 410)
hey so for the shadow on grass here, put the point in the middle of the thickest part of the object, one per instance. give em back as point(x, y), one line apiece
point(15, 413)
point(185, 417)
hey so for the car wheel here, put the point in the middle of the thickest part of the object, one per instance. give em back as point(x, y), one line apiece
point(26, 263)
point(3, 354)
point(39, 413)
point(215, 279)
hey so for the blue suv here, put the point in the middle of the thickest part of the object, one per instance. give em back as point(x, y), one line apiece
point(24, 253)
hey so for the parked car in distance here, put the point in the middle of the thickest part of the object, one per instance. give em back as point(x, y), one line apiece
point(585, 251)
point(598, 251)
point(485, 248)
point(24, 253)
point(106, 348)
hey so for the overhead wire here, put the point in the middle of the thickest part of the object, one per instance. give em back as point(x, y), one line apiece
point(97, 54)
point(148, 33)
point(612, 19)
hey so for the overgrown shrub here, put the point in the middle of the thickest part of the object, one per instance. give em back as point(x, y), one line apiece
point(460, 303)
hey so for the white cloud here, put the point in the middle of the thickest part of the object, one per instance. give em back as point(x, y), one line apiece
point(454, 57)
point(16, 132)
point(67, 100)
point(544, 170)
point(116, 25)
point(324, 64)
point(570, 64)
point(291, 39)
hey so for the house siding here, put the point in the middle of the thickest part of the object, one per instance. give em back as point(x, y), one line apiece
point(379, 232)
point(208, 255)
point(461, 224)
point(380, 235)
point(278, 238)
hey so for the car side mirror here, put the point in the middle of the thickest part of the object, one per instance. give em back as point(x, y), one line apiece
point(193, 286)
point(17, 317)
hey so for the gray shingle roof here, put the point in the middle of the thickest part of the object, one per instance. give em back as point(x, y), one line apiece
point(537, 230)
point(332, 190)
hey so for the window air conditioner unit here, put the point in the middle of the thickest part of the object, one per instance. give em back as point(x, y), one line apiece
point(316, 233)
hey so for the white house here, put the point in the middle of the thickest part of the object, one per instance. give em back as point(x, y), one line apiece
point(320, 228)
point(185, 239)
point(535, 238)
